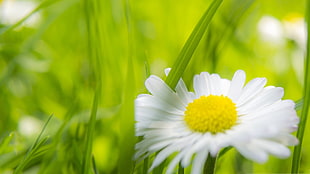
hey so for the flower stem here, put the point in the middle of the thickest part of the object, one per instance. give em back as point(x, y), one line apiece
point(210, 165)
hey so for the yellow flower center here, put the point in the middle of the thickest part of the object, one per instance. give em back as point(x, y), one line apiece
point(211, 114)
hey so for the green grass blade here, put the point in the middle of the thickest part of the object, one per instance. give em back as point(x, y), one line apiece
point(145, 165)
point(126, 119)
point(224, 151)
point(209, 167)
point(89, 136)
point(160, 169)
point(299, 104)
point(92, 10)
point(33, 149)
point(181, 169)
point(125, 162)
point(306, 101)
point(94, 165)
point(5, 142)
point(191, 44)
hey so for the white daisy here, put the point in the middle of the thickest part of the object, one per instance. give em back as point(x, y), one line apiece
point(220, 113)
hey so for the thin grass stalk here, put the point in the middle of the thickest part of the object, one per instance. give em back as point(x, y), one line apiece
point(145, 165)
point(89, 136)
point(160, 169)
point(126, 119)
point(38, 142)
point(95, 55)
point(306, 100)
point(94, 165)
point(191, 44)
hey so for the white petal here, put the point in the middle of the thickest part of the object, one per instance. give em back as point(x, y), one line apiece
point(162, 144)
point(162, 155)
point(225, 86)
point(236, 85)
point(147, 142)
point(202, 143)
point(172, 133)
point(287, 139)
point(155, 102)
point(167, 71)
point(267, 97)
point(153, 114)
point(199, 161)
point(217, 142)
point(215, 84)
point(174, 162)
point(159, 88)
point(251, 89)
point(274, 148)
point(252, 152)
point(202, 84)
point(189, 153)
point(273, 108)
point(183, 93)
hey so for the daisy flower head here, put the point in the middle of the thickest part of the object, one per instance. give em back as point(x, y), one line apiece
point(219, 113)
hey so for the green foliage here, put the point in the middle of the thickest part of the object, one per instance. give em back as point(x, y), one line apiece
point(84, 62)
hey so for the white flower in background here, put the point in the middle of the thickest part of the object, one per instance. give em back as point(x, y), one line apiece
point(271, 30)
point(278, 32)
point(11, 11)
point(220, 113)
point(295, 29)
point(275, 31)
point(29, 126)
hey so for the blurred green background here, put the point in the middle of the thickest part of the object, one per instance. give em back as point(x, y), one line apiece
point(65, 53)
